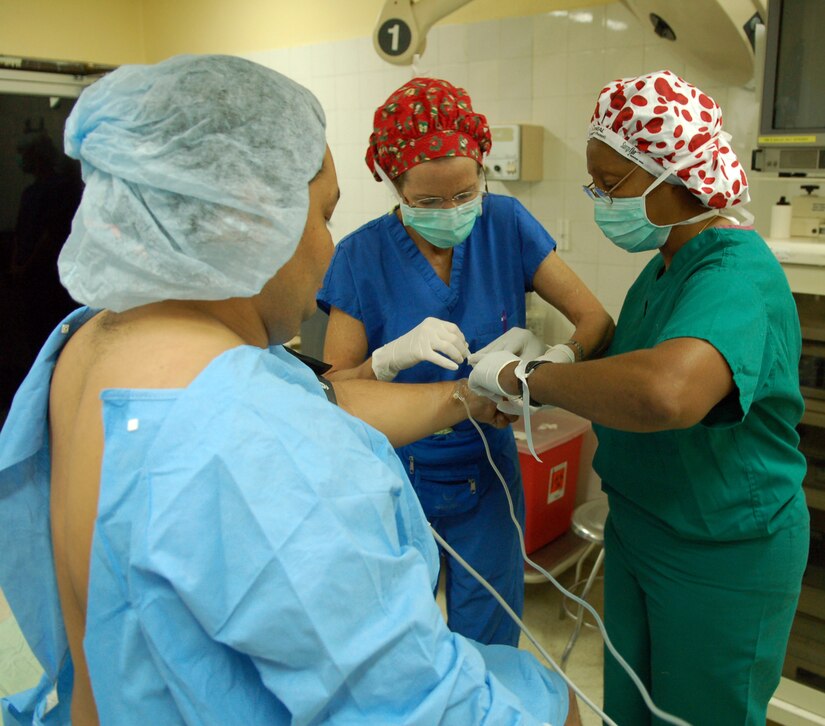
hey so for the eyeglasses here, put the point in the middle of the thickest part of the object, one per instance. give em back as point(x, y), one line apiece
point(439, 202)
point(456, 200)
point(592, 191)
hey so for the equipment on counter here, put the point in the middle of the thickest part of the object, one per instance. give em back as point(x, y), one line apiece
point(808, 214)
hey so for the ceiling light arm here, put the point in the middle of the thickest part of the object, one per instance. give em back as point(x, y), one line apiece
point(401, 31)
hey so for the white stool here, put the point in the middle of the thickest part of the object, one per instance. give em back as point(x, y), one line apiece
point(588, 523)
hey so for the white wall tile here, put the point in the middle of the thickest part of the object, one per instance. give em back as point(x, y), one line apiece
point(428, 58)
point(322, 59)
point(662, 55)
point(452, 43)
point(622, 28)
point(484, 40)
point(395, 77)
point(622, 63)
point(740, 113)
point(516, 38)
point(577, 205)
point(483, 83)
point(368, 60)
point(579, 110)
point(550, 75)
point(548, 204)
point(586, 29)
point(550, 33)
point(346, 92)
point(304, 59)
point(345, 59)
point(515, 78)
point(585, 72)
point(456, 73)
point(372, 89)
point(324, 90)
point(552, 114)
point(555, 155)
point(584, 243)
point(575, 168)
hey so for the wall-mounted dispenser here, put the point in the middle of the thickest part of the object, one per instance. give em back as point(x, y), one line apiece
point(517, 153)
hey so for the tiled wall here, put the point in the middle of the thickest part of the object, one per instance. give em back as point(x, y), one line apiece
point(542, 69)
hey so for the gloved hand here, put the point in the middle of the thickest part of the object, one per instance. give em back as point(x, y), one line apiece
point(556, 354)
point(433, 340)
point(519, 341)
point(515, 407)
point(484, 377)
point(483, 381)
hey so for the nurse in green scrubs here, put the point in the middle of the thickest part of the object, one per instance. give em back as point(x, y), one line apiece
point(695, 407)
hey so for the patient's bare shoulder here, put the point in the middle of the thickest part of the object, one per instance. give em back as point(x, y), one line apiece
point(154, 347)
point(148, 348)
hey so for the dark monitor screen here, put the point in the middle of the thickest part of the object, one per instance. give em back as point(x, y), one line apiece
point(794, 89)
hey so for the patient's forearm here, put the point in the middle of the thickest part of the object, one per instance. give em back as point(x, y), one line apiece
point(403, 412)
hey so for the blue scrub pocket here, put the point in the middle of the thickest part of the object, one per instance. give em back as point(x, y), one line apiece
point(448, 491)
point(486, 333)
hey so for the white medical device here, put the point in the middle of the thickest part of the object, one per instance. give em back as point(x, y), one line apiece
point(517, 153)
point(401, 31)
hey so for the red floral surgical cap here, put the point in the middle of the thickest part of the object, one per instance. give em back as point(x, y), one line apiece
point(425, 119)
point(657, 121)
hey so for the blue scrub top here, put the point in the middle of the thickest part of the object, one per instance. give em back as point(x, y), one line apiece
point(738, 473)
point(258, 557)
point(379, 276)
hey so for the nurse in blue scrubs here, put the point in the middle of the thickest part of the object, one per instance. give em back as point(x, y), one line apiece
point(411, 293)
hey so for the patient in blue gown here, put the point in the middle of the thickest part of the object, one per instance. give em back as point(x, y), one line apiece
point(191, 531)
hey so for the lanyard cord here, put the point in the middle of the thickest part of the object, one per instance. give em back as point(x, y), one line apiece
point(654, 709)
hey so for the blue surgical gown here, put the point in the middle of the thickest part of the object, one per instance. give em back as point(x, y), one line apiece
point(258, 557)
point(379, 276)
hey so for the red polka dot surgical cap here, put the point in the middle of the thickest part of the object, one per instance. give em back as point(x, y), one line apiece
point(657, 121)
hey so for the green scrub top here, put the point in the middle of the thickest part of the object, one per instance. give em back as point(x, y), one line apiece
point(738, 473)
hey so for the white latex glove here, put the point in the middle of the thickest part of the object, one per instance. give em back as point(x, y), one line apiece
point(483, 380)
point(557, 354)
point(519, 341)
point(433, 340)
point(515, 407)
point(484, 377)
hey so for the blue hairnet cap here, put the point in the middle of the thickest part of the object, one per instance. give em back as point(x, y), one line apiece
point(196, 172)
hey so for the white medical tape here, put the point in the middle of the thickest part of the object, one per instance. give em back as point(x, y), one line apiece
point(525, 402)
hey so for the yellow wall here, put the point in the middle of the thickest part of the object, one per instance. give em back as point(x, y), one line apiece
point(210, 26)
point(96, 31)
point(134, 31)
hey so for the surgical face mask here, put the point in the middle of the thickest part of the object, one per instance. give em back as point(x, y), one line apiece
point(625, 223)
point(443, 228)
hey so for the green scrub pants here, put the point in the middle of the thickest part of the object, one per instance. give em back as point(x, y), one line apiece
point(705, 625)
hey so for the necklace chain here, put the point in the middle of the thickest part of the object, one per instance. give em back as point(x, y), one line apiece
point(707, 224)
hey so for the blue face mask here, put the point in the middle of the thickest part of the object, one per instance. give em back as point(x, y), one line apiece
point(625, 222)
point(443, 228)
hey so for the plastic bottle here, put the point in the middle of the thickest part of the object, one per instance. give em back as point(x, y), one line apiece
point(781, 220)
